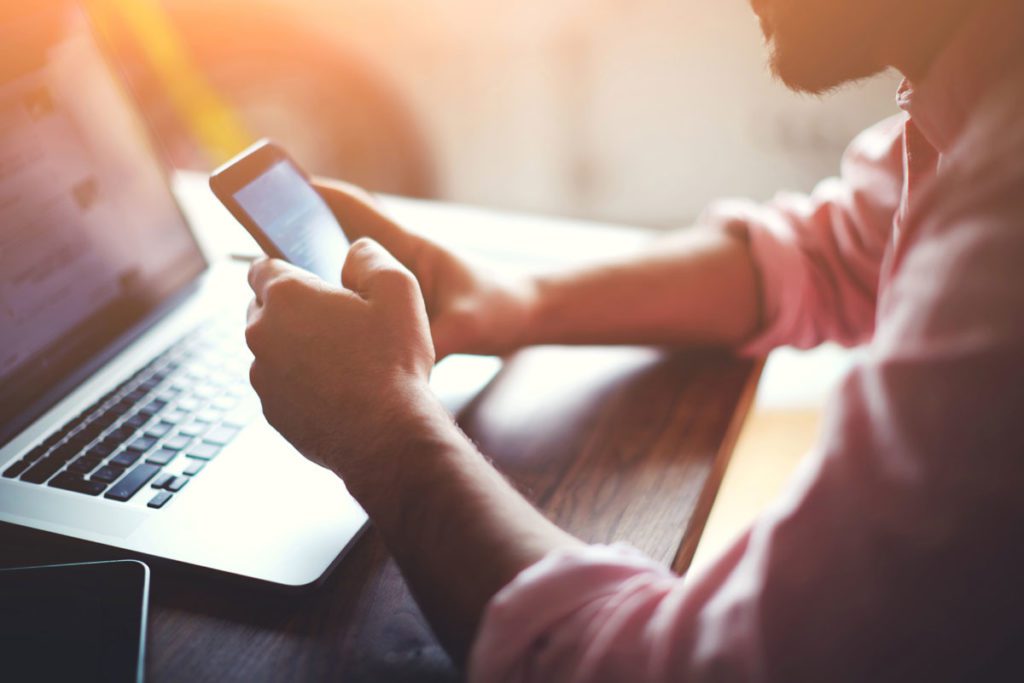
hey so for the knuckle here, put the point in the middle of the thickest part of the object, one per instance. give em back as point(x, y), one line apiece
point(395, 279)
point(254, 336)
point(254, 376)
point(361, 246)
point(282, 288)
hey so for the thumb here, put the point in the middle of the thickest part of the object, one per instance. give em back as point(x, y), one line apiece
point(373, 273)
point(361, 216)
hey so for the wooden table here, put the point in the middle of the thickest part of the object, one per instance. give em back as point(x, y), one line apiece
point(613, 444)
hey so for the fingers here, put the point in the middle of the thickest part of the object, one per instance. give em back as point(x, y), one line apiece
point(252, 313)
point(360, 216)
point(267, 275)
point(281, 292)
point(264, 271)
point(374, 273)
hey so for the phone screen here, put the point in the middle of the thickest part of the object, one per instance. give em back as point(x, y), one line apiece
point(296, 219)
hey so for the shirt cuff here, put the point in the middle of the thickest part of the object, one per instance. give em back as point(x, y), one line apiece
point(778, 266)
point(521, 615)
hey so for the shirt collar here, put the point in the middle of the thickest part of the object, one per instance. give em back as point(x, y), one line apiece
point(980, 52)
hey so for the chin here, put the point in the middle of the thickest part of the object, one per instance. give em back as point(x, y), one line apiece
point(817, 61)
point(818, 45)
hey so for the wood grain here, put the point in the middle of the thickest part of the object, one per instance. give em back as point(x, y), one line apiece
point(622, 444)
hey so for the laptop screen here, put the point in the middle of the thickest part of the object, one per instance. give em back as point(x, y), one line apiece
point(91, 238)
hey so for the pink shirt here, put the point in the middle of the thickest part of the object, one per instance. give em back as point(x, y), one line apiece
point(898, 552)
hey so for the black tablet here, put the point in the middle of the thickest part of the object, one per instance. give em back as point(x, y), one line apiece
point(74, 622)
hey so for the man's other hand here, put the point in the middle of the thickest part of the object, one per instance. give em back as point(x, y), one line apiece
point(341, 371)
point(471, 309)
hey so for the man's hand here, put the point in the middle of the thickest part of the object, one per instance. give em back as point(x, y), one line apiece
point(343, 375)
point(471, 310)
point(341, 370)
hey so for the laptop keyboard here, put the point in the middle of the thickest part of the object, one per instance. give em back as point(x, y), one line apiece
point(160, 427)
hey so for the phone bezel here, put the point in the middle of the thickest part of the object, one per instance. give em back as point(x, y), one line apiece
point(243, 169)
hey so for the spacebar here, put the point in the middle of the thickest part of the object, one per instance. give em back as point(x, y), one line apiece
point(132, 482)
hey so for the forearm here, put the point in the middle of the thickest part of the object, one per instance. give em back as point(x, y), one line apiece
point(697, 286)
point(457, 529)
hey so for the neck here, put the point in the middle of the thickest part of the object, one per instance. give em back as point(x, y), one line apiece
point(916, 42)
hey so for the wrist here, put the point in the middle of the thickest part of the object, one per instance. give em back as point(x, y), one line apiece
point(409, 429)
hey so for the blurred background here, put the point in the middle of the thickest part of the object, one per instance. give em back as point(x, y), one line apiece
point(615, 110)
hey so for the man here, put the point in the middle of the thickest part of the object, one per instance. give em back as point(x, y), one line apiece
point(898, 553)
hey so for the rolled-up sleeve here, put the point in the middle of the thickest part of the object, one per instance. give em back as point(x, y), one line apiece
point(896, 553)
point(819, 257)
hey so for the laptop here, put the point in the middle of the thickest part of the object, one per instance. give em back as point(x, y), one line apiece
point(126, 418)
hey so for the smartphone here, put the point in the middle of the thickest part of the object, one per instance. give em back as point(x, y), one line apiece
point(74, 622)
point(272, 197)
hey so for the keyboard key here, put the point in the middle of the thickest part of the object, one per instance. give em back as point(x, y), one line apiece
point(55, 438)
point(102, 449)
point(126, 458)
point(121, 434)
point(77, 442)
point(221, 379)
point(175, 416)
point(124, 406)
point(65, 451)
point(162, 374)
point(206, 391)
point(150, 384)
point(84, 464)
point(162, 480)
point(193, 429)
point(108, 474)
point(177, 484)
point(35, 453)
point(136, 421)
point(168, 394)
point(153, 407)
point(91, 432)
point(136, 395)
point(42, 470)
point(17, 468)
point(203, 451)
point(225, 403)
point(196, 371)
point(220, 435)
point(106, 420)
point(177, 442)
point(73, 482)
point(238, 418)
point(161, 457)
point(189, 404)
point(142, 444)
point(194, 468)
point(159, 430)
point(209, 415)
point(159, 500)
point(132, 482)
point(112, 441)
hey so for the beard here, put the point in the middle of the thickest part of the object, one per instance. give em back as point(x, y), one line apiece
point(818, 45)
